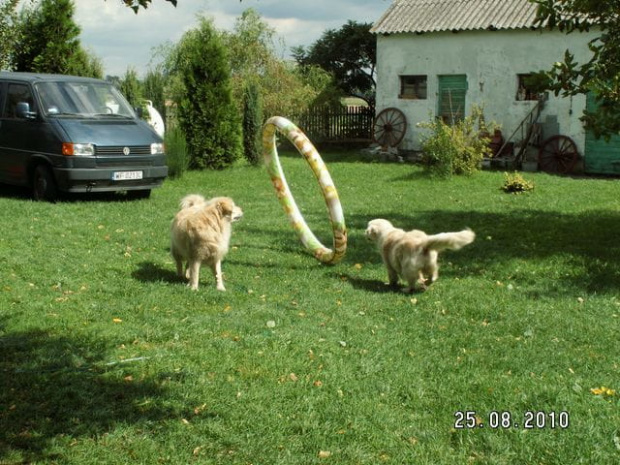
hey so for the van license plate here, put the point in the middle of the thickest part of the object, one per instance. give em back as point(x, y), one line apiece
point(126, 175)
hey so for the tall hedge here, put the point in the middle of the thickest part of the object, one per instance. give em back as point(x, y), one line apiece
point(206, 111)
point(252, 123)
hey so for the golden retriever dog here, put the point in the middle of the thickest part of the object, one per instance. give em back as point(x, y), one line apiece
point(412, 255)
point(200, 233)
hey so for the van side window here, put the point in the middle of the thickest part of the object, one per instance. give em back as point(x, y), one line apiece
point(17, 93)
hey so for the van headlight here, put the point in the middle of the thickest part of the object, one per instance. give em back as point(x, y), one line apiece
point(157, 148)
point(77, 150)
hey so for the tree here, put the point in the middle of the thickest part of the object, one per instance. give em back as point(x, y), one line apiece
point(250, 45)
point(154, 89)
point(49, 42)
point(85, 63)
point(8, 31)
point(349, 54)
point(288, 90)
point(599, 76)
point(206, 110)
point(284, 88)
point(131, 88)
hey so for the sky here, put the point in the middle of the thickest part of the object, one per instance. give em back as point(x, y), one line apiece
point(123, 40)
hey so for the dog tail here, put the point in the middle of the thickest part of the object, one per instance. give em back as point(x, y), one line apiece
point(452, 240)
point(191, 200)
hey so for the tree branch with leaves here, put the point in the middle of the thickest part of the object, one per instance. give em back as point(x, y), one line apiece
point(600, 75)
point(135, 5)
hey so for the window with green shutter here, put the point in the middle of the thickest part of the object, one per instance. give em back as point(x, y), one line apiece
point(451, 99)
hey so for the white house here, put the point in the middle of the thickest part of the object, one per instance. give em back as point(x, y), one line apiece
point(441, 57)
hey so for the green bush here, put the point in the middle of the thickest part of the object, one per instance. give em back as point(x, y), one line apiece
point(455, 149)
point(177, 156)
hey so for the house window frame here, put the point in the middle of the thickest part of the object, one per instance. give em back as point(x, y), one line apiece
point(523, 93)
point(415, 89)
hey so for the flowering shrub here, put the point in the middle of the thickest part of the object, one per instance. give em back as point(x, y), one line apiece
point(516, 184)
point(455, 149)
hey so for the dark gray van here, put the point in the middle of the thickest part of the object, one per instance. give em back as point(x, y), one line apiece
point(73, 134)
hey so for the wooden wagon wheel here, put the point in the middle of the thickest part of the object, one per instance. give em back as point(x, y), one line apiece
point(389, 127)
point(558, 155)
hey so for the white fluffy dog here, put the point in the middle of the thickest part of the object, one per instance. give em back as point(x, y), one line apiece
point(200, 233)
point(413, 254)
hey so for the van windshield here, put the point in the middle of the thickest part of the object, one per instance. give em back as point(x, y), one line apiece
point(84, 99)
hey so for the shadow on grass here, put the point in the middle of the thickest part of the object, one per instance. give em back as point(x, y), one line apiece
point(154, 273)
point(24, 193)
point(280, 244)
point(370, 285)
point(589, 240)
point(14, 192)
point(328, 155)
point(53, 387)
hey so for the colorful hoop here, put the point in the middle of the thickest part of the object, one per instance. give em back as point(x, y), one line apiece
point(305, 148)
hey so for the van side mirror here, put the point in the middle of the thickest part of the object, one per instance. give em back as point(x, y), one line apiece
point(23, 111)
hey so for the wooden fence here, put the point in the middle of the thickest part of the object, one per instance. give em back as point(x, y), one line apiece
point(341, 125)
point(351, 124)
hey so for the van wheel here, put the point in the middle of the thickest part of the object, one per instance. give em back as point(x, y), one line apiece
point(44, 184)
point(137, 195)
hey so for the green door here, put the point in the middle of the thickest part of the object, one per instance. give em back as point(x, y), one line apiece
point(601, 156)
point(451, 101)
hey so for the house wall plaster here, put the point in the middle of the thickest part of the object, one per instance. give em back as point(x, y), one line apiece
point(491, 60)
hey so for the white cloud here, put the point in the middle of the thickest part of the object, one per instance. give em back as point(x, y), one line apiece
point(122, 39)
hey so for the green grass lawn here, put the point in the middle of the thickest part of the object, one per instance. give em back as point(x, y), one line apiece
point(108, 358)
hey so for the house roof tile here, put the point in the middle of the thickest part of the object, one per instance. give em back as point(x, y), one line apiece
point(419, 16)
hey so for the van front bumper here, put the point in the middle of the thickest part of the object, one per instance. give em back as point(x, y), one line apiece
point(102, 179)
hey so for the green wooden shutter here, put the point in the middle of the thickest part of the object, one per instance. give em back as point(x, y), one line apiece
point(601, 156)
point(451, 99)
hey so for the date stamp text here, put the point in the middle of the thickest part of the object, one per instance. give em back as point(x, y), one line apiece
point(531, 419)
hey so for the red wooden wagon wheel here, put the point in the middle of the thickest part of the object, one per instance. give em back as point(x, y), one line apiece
point(389, 127)
point(558, 155)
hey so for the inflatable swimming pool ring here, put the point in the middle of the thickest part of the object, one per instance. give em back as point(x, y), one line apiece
point(309, 152)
